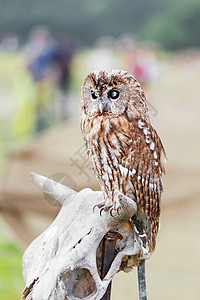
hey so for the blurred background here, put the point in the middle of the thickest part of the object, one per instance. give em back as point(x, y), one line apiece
point(46, 49)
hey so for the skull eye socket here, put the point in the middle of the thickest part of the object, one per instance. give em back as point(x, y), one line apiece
point(94, 95)
point(113, 94)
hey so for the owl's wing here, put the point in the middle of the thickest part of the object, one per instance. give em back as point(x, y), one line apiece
point(144, 160)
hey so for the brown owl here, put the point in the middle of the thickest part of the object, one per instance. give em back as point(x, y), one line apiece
point(125, 150)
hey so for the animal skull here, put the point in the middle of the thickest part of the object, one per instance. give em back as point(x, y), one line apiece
point(64, 261)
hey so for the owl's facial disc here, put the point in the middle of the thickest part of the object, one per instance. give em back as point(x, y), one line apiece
point(106, 93)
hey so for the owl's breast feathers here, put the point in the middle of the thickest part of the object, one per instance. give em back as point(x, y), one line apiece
point(128, 155)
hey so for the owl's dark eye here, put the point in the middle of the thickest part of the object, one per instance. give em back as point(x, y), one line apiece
point(113, 94)
point(94, 95)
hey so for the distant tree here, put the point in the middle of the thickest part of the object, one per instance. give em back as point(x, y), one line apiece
point(173, 23)
point(176, 27)
point(86, 19)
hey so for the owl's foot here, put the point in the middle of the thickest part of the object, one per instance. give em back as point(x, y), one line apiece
point(112, 208)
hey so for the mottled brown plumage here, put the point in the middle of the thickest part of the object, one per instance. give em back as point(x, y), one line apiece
point(125, 150)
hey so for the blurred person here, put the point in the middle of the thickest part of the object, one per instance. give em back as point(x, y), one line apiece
point(49, 66)
point(66, 52)
point(140, 60)
point(39, 50)
point(38, 41)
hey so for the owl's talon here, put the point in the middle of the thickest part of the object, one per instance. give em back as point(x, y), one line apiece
point(101, 211)
point(118, 210)
point(95, 207)
point(111, 212)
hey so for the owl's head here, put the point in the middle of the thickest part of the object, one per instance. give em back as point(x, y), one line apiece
point(112, 93)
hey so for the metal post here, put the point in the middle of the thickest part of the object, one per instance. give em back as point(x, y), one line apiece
point(142, 281)
point(108, 255)
point(141, 277)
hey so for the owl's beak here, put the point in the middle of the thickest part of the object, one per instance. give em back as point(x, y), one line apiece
point(102, 106)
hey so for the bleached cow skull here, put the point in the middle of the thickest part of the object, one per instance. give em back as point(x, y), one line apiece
point(64, 261)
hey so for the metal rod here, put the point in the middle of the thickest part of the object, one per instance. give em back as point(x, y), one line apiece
point(108, 255)
point(142, 281)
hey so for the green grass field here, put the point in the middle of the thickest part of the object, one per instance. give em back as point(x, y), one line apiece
point(11, 281)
